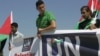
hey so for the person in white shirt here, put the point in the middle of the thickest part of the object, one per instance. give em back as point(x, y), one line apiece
point(15, 36)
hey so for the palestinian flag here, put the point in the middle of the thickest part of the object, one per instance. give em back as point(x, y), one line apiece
point(94, 5)
point(6, 28)
point(5, 31)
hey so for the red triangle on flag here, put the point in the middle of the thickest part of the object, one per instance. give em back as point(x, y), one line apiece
point(6, 27)
point(89, 3)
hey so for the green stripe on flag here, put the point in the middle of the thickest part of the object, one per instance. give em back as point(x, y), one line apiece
point(3, 37)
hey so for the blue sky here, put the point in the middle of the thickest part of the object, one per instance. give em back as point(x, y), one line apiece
point(66, 12)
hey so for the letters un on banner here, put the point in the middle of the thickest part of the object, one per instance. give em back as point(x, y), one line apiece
point(72, 44)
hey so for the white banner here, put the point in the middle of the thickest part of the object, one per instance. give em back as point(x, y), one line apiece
point(61, 43)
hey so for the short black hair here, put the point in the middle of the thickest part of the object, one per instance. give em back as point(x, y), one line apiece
point(14, 24)
point(39, 2)
point(87, 9)
point(97, 24)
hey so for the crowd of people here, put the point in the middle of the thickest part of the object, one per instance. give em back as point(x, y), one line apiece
point(46, 22)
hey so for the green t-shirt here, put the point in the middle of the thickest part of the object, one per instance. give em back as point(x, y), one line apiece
point(44, 20)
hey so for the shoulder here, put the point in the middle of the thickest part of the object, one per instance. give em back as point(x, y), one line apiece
point(20, 34)
point(48, 13)
point(81, 21)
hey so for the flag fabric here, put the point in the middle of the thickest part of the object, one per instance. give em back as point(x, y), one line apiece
point(4, 32)
point(98, 7)
point(6, 28)
point(94, 6)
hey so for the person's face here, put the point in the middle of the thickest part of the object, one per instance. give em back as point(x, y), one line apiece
point(13, 29)
point(85, 14)
point(41, 8)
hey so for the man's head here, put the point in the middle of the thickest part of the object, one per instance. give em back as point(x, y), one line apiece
point(86, 12)
point(14, 27)
point(40, 6)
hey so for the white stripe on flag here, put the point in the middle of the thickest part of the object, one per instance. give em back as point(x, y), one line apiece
point(92, 6)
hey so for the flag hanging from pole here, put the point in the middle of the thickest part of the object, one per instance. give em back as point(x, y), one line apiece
point(6, 28)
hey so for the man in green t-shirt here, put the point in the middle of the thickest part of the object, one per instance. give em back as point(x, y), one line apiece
point(45, 21)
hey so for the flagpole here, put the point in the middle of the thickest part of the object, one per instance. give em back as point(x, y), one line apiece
point(11, 16)
point(11, 22)
point(92, 6)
